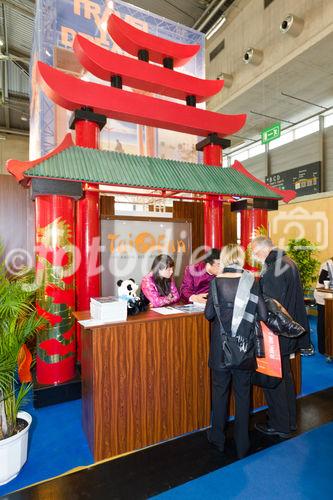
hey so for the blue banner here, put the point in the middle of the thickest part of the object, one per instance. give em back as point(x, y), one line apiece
point(56, 24)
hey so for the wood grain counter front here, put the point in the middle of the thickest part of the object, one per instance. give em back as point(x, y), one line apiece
point(146, 380)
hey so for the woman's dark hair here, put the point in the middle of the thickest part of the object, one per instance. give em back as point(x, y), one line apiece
point(161, 262)
point(213, 254)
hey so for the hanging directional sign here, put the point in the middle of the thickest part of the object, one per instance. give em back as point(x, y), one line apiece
point(305, 179)
point(270, 133)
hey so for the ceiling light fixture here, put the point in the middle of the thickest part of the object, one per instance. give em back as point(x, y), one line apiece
point(215, 27)
point(24, 118)
point(227, 78)
point(253, 56)
point(1, 43)
point(292, 25)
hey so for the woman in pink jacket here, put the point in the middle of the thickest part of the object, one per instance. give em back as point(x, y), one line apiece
point(159, 286)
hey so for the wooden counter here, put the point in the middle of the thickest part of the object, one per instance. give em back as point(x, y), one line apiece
point(147, 380)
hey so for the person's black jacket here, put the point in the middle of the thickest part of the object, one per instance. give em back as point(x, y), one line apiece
point(281, 281)
point(227, 288)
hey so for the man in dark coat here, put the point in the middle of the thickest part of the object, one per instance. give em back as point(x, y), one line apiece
point(280, 280)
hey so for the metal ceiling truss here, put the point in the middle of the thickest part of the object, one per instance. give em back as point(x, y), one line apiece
point(27, 8)
point(7, 57)
point(4, 68)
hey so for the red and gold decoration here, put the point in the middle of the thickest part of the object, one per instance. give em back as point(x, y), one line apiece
point(56, 353)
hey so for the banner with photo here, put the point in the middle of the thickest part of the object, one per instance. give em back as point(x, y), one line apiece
point(56, 24)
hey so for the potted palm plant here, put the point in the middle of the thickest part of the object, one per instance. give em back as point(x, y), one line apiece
point(304, 252)
point(18, 322)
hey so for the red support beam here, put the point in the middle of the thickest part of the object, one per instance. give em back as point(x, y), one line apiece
point(254, 222)
point(72, 93)
point(87, 229)
point(142, 76)
point(212, 148)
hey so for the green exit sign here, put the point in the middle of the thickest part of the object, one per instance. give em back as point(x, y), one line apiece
point(270, 133)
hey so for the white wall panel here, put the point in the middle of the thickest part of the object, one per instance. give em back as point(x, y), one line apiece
point(256, 166)
point(295, 154)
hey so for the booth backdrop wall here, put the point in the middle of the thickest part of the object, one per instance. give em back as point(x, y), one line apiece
point(308, 217)
point(17, 229)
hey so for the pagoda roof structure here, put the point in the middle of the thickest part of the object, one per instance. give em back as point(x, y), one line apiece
point(168, 178)
point(115, 102)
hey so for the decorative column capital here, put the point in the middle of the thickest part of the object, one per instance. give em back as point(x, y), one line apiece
point(215, 140)
point(256, 203)
point(86, 114)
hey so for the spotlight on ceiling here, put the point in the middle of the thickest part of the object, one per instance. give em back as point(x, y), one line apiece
point(216, 26)
point(252, 56)
point(292, 25)
point(228, 79)
point(24, 118)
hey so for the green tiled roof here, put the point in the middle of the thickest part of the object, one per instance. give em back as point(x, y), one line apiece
point(118, 169)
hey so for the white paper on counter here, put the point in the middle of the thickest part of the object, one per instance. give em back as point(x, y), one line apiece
point(87, 323)
point(165, 310)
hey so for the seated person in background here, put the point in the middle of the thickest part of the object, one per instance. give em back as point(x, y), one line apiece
point(325, 274)
point(197, 278)
point(159, 286)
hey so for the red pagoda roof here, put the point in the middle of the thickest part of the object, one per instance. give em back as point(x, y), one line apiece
point(286, 194)
point(140, 75)
point(72, 93)
point(132, 40)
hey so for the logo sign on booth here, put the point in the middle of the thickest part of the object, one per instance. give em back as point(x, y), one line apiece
point(129, 248)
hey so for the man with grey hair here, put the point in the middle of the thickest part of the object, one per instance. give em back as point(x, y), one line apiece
point(280, 280)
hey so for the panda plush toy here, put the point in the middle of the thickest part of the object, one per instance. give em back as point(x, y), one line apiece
point(127, 291)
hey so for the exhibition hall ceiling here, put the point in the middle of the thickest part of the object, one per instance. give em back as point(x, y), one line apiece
point(308, 76)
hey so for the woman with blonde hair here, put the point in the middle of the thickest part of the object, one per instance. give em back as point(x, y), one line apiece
point(234, 303)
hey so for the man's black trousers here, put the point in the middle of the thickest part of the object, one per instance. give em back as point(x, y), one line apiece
point(281, 401)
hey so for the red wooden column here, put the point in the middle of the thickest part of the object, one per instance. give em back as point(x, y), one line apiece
point(212, 148)
point(87, 126)
point(254, 222)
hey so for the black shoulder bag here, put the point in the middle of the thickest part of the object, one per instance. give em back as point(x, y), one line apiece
point(236, 349)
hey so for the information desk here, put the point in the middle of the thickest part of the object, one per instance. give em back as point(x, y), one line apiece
point(146, 380)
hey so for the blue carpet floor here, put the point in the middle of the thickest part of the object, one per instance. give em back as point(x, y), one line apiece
point(317, 374)
point(300, 468)
point(58, 444)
